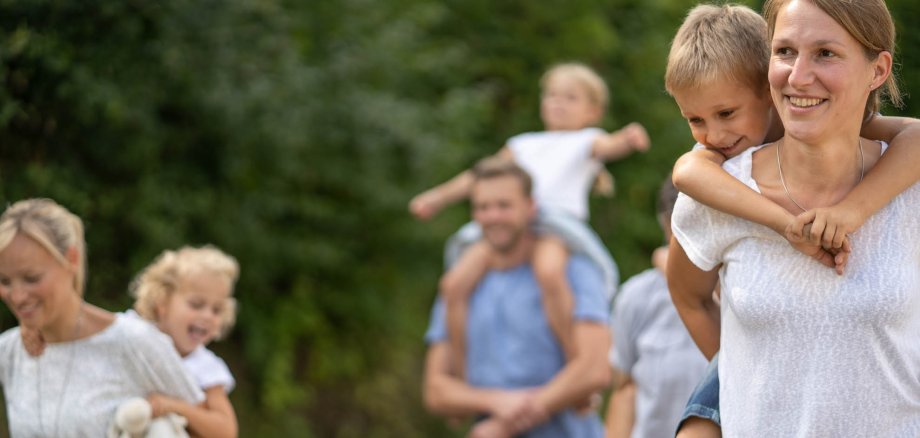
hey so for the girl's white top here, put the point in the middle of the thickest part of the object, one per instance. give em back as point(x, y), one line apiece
point(130, 358)
point(804, 352)
point(561, 166)
point(208, 369)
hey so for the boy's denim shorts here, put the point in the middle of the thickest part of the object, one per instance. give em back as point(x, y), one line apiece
point(704, 402)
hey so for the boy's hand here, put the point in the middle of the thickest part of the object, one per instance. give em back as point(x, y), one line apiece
point(830, 226)
point(635, 136)
point(425, 205)
point(831, 257)
point(33, 341)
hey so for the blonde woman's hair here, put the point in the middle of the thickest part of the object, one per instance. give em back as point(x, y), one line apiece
point(161, 279)
point(585, 76)
point(719, 43)
point(870, 23)
point(54, 227)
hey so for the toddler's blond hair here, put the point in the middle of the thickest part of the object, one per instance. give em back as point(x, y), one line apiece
point(159, 280)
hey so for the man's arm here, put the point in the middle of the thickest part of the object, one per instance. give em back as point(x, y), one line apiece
point(447, 395)
point(691, 291)
point(621, 412)
point(586, 372)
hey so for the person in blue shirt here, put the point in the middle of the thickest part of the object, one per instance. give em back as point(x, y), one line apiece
point(518, 382)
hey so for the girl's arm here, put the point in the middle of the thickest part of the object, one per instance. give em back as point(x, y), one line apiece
point(691, 291)
point(895, 171)
point(699, 174)
point(427, 204)
point(618, 144)
point(214, 418)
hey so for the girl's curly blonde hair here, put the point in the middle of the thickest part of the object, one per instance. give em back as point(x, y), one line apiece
point(160, 279)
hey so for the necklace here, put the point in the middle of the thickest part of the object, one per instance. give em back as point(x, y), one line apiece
point(779, 167)
point(38, 380)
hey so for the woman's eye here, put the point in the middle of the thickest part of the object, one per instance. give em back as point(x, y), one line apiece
point(824, 53)
point(726, 114)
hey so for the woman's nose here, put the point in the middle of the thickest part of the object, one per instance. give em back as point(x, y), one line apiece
point(801, 73)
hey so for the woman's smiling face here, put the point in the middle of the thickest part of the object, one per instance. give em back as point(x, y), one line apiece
point(820, 76)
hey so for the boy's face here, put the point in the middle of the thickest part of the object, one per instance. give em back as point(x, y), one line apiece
point(566, 105)
point(728, 117)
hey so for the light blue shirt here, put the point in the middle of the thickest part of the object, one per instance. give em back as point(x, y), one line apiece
point(510, 344)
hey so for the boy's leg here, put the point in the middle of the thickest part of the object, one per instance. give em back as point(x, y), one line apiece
point(701, 418)
point(456, 286)
point(549, 263)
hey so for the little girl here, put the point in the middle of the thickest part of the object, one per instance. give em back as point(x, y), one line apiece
point(187, 294)
point(563, 160)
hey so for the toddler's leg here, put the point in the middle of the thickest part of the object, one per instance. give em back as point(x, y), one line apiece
point(549, 262)
point(456, 287)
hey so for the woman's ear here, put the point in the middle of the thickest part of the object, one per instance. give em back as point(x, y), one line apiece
point(73, 258)
point(881, 69)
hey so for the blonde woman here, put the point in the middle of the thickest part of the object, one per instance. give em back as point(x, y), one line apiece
point(93, 360)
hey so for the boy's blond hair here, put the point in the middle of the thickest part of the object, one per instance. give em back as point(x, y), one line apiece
point(161, 278)
point(719, 43)
point(584, 75)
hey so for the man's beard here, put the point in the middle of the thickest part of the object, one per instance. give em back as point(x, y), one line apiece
point(507, 245)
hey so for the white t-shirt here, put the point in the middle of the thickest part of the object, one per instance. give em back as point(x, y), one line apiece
point(804, 352)
point(208, 369)
point(128, 359)
point(561, 166)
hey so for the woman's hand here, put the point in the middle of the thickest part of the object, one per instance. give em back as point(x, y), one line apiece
point(160, 404)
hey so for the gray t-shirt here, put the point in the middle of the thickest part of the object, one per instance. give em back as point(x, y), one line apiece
point(652, 345)
point(805, 352)
point(130, 358)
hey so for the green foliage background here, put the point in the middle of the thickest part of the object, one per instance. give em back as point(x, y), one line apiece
point(292, 134)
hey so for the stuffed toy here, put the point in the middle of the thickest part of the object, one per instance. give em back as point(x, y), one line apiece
point(133, 419)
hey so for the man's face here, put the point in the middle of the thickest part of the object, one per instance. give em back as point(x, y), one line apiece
point(503, 210)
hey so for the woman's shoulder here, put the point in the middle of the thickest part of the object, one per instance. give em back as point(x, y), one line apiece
point(9, 340)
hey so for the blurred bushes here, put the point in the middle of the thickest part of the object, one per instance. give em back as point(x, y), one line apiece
point(292, 135)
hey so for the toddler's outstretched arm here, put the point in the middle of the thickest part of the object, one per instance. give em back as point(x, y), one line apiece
point(427, 204)
point(895, 171)
point(618, 144)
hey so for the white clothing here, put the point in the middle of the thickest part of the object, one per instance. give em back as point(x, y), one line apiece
point(208, 369)
point(128, 359)
point(561, 165)
point(652, 345)
point(804, 352)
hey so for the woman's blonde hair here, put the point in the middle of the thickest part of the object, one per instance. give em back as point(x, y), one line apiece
point(870, 23)
point(54, 227)
point(584, 75)
point(158, 281)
